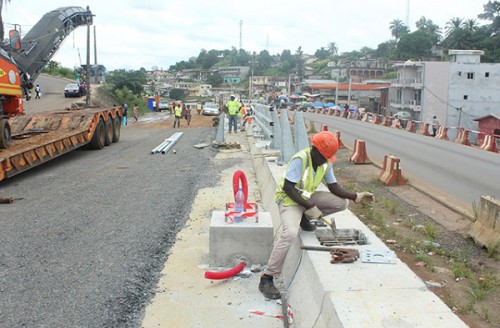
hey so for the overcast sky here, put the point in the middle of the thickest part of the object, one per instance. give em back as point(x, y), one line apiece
point(135, 34)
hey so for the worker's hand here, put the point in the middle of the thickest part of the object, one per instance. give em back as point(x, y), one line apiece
point(364, 197)
point(313, 213)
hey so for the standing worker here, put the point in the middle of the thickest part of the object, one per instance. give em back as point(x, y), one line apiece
point(124, 110)
point(233, 106)
point(199, 107)
point(178, 114)
point(299, 202)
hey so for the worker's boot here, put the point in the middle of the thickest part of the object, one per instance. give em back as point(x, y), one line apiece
point(306, 225)
point(266, 287)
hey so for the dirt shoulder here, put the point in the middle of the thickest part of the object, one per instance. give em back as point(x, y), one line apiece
point(432, 240)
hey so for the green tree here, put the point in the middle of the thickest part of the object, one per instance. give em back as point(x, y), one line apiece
point(333, 49)
point(321, 53)
point(215, 80)
point(132, 80)
point(492, 13)
point(178, 94)
point(300, 63)
point(398, 29)
point(416, 45)
point(428, 27)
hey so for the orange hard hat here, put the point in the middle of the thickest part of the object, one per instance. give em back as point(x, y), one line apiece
point(327, 144)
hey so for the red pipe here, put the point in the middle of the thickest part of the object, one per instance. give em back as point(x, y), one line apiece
point(218, 275)
point(239, 176)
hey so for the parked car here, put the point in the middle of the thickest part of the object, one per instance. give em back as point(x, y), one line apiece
point(403, 115)
point(72, 90)
point(210, 109)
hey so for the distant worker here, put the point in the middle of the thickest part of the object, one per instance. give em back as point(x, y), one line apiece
point(38, 91)
point(199, 107)
point(299, 202)
point(177, 114)
point(435, 125)
point(136, 113)
point(233, 106)
point(241, 116)
point(124, 110)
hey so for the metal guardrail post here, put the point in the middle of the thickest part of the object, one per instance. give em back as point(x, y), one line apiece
point(287, 149)
point(301, 140)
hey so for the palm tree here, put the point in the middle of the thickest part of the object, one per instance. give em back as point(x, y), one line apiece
point(453, 25)
point(398, 29)
point(470, 25)
point(333, 49)
point(2, 33)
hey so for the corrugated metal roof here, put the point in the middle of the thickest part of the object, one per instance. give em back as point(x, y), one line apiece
point(345, 86)
point(497, 116)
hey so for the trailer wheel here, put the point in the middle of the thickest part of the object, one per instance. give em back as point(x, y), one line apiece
point(117, 122)
point(4, 134)
point(99, 136)
point(109, 131)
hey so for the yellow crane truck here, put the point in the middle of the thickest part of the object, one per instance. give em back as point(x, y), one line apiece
point(29, 140)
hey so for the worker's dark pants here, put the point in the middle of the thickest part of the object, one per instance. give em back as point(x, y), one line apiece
point(178, 121)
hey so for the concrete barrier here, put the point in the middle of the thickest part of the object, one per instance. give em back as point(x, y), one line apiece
point(489, 143)
point(359, 155)
point(462, 137)
point(391, 172)
point(486, 230)
point(442, 133)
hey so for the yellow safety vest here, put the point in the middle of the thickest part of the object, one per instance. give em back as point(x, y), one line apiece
point(178, 111)
point(233, 106)
point(309, 182)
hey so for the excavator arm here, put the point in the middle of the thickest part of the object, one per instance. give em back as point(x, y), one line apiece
point(44, 39)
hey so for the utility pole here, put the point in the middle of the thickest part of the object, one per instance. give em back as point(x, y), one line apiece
point(87, 70)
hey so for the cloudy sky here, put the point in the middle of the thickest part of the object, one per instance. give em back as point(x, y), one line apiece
point(148, 33)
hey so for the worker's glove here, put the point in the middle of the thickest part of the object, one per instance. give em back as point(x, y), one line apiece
point(313, 213)
point(364, 197)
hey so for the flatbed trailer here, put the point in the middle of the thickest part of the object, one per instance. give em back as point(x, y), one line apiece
point(38, 138)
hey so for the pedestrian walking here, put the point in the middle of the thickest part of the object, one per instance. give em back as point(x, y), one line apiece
point(136, 113)
point(187, 114)
point(435, 125)
point(178, 114)
point(233, 107)
point(299, 202)
point(38, 92)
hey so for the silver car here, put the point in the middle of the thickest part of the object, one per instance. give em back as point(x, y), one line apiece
point(210, 109)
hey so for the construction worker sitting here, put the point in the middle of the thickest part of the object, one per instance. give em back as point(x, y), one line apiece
point(299, 202)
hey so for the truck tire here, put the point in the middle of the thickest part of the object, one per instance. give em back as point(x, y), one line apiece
point(4, 133)
point(99, 136)
point(117, 123)
point(109, 131)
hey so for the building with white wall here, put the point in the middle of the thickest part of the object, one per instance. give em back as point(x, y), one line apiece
point(457, 92)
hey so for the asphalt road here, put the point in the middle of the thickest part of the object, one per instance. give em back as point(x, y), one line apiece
point(462, 173)
point(84, 243)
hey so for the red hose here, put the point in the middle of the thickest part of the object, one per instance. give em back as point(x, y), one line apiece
point(239, 176)
point(218, 275)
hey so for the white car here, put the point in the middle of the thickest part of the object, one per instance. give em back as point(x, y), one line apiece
point(210, 109)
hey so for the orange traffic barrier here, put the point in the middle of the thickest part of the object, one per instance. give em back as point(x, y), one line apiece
point(442, 133)
point(341, 144)
point(359, 155)
point(365, 117)
point(463, 137)
point(424, 129)
point(358, 116)
point(410, 126)
point(489, 143)
point(376, 119)
point(391, 172)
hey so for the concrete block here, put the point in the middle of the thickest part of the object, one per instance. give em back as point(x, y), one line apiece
point(228, 242)
point(486, 229)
